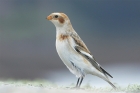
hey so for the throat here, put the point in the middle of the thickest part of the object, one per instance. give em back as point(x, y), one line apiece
point(61, 34)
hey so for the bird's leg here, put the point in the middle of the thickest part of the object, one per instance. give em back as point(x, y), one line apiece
point(80, 82)
point(77, 82)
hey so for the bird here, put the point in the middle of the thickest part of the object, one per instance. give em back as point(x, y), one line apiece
point(73, 51)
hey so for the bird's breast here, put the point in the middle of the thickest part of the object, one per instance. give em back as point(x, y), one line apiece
point(64, 50)
point(69, 56)
point(62, 37)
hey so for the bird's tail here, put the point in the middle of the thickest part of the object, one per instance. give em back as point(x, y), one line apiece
point(112, 84)
point(105, 77)
point(107, 80)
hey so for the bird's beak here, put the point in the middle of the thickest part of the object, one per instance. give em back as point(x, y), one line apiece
point(49, 17)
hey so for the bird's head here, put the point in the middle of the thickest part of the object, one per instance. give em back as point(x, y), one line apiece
point(59, 19)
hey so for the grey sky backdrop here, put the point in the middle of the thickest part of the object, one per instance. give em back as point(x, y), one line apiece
point(110, 29)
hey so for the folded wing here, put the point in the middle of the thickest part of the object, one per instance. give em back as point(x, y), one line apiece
point(81, 48)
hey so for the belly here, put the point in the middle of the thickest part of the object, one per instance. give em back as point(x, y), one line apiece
point(65, 52)
point(69, 57)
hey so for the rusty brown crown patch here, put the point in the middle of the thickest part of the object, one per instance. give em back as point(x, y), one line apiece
point(64, 15)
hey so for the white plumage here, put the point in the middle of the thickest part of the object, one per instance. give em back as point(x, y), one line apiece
point(73, 52)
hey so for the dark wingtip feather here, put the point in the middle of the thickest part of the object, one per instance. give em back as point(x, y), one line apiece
point(106, 72)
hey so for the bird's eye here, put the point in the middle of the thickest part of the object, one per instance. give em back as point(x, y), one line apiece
point(56, 16)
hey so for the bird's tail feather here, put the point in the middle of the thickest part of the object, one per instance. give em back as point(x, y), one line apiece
point(105, 77)
point(112, 84)
point(106, 74)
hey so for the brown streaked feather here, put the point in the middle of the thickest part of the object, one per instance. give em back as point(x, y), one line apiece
point(62, 37)
point(79, 42)
point(64, 15)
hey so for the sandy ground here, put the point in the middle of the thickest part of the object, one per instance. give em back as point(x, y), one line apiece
point(37, 87)
point(32, 89)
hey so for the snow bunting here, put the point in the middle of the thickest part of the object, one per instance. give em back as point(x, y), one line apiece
point(73, 52)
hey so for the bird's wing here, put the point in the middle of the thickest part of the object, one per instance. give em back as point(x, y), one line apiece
point(82, 49)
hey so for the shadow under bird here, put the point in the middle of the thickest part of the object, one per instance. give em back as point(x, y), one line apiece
point(73, 52)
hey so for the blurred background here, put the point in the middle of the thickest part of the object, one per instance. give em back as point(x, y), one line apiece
point(110, 29)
